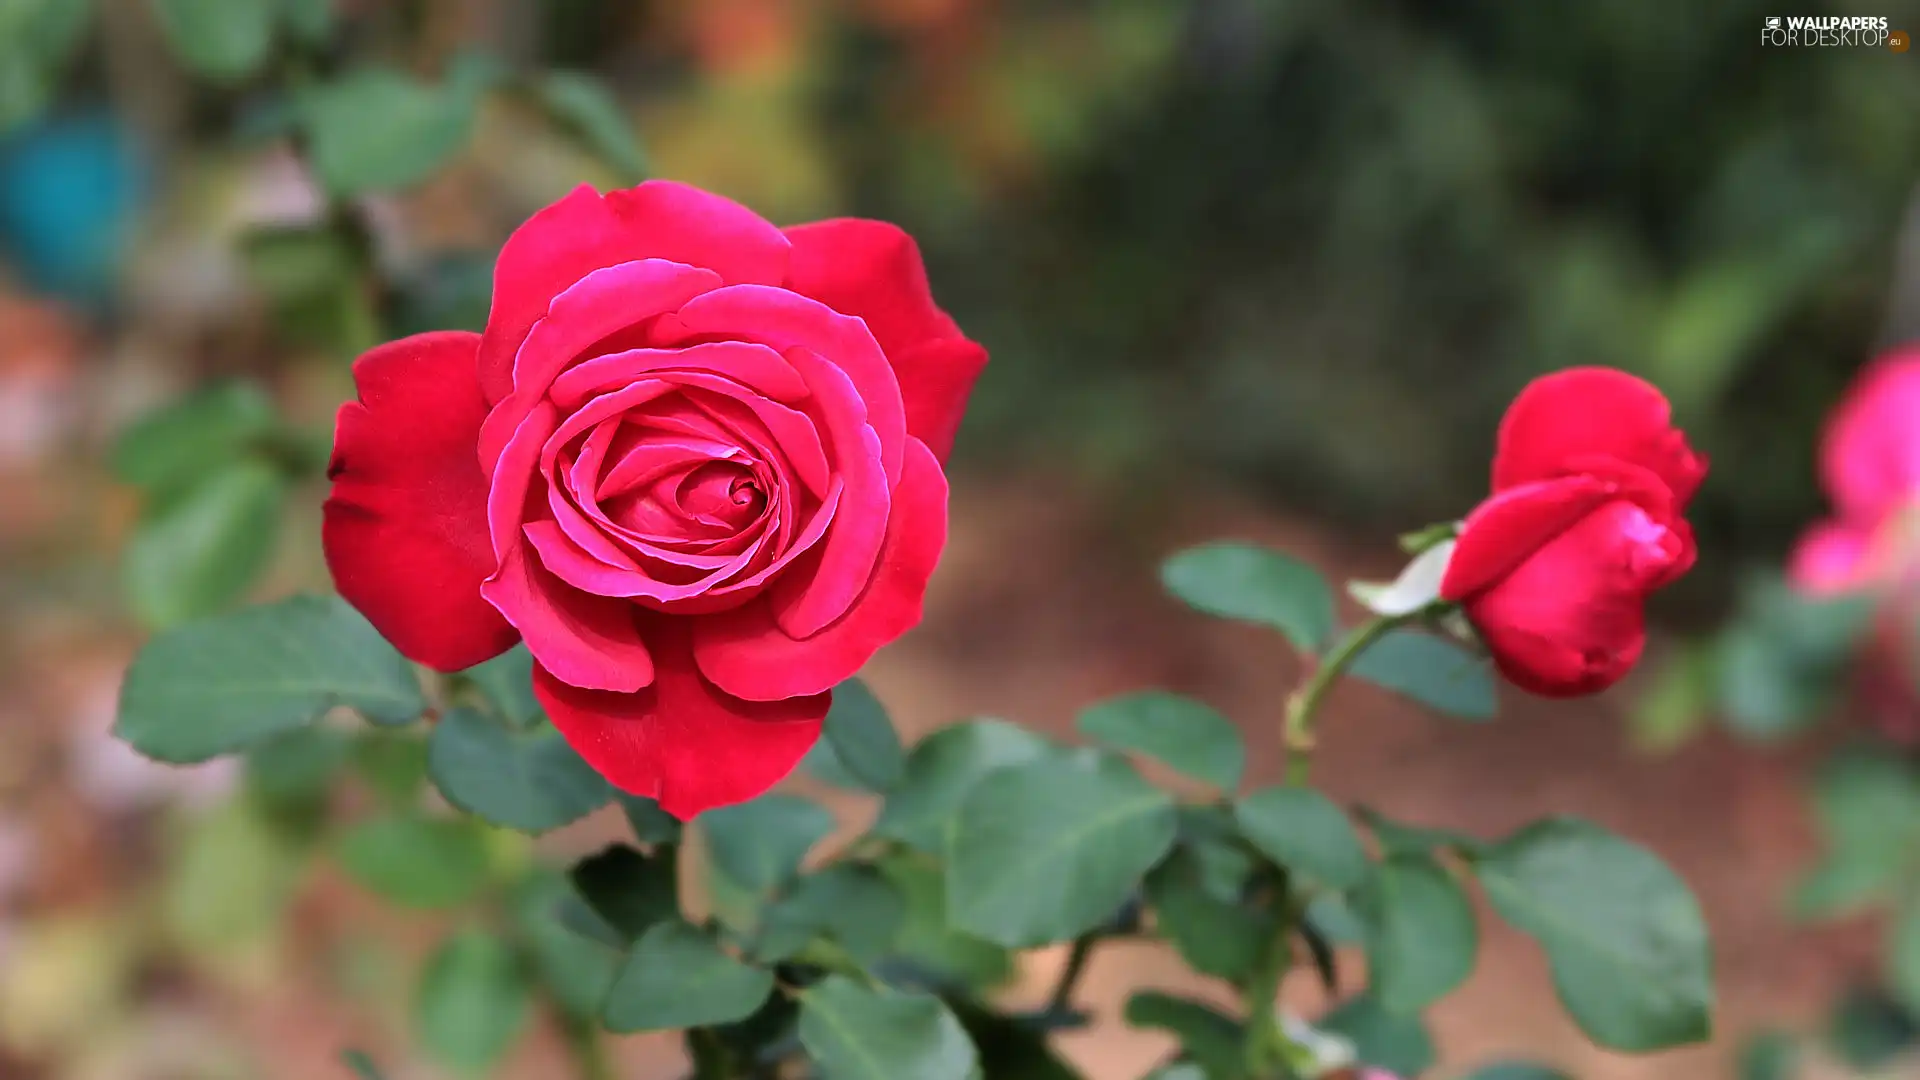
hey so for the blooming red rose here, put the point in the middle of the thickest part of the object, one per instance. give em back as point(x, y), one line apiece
point(1590, 479)
point(694, 462)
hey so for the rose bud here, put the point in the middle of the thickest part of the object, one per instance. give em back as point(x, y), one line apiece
point(694, 462)
point(1590, 479)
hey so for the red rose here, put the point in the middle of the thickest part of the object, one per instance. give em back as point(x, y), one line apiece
point(1589, 482)
point(1870, 468)
point(694, 462)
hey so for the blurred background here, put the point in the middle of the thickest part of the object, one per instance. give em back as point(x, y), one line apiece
point(1256, 268)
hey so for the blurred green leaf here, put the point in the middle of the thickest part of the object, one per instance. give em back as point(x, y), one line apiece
point(507, 682)
point(377, 130)
point(393, 764)
point(1399, 838)
point(224, 40)
point(576, 969)
point(222, 684)
point(173, 447)
point(229, 882)
point(1769, 1055)
point(201, 551)
point(1903, 954)
point(940, 771)
point(1010, 1049)
point(863, 738)
point(1386, 1040)
point(37, 39)
point(1782, 659)
point(761, 843)
point(1220, 937)
point(631, 891)
point(1186, 735)
point(532, 782)
point(928, 939)
point(583, 105)
point(678, 977)
point(1304, 831)
point(416, 862)
point(1867, 1030)
point(297, 767)
point(472, 1001)
point(1515, 1070)
point(1254, 584)
point(1677, 704)
point(1212, 1040)
point(1038, 853)
point(1867, 805)
point(1624, 936)
point(859, 1033)
point(855, 906)
point(298, 262)
point(650, 824)
point(1421, 934)
point(308, 21)
point(1432, 671)
point(362, 1065)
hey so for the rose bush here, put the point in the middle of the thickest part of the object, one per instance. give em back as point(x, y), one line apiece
point(1590, 481)
point(694, 462)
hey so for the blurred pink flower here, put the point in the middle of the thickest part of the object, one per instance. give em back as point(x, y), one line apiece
point(1870, 468)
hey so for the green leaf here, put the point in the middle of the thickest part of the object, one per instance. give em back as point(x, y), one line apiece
point(530, 782)
point(362, 1065)
point(1386, 1040)
point(631, 891)
point(507, 682)
point(1769, 1055)
point(172, 447)
point(1397, 838)
point(1039, 853)
point(1903, 954)
point(37, 40)
point(196, 554)
point(677, 977)
point(417, 862)
point(1867, 805)
point(308, 21)
point(583, 105)
point(650, 824)
point(1333, 918)
point(1009, 1048)
point(1676, 704)
point(1220, 937)
point(301, 263)
point(864, 741)
point(394, 765)
point(927, 938)
point(850, 904)
point(297, 768)
point(1254, 584)
point(223, 684)
point(760, 844)
point(472, 1002)
point(577, 970)
point(1783, 659)
point(940, 771)
point(1515, 1070)
point(1434, 672)
point(1182, 733)
point(1305, 832)
point(1624, 937)
point(224, 40)
point(1212, 1040)
point(229, 881)
point(1866, 1030)
point(859, 1033)
point(375, 130)
point(1421, 934)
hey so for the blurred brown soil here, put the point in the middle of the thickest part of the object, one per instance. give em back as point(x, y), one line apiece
point(1045, 604)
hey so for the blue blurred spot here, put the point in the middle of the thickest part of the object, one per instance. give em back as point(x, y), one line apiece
point(69, 192)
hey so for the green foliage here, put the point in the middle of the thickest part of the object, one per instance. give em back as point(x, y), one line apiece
point(927, 938)
point(863, 739)
point(940, 771)
point(1182, 733)
point(1432, 671)
point(1254, 584)
point(415, 861)
point(362, 1065)
point(583, 105)
point(472, 1001)
point(1624, 936)
point(1304, 831)
point(650, 824)
point(527, 781)
point(1783, 657)
point(224, 684)
point(197, 553)
point(1207, 1037)
point(576, 970)
point(759, 844)
point(174, 447)
point(1867, 806)
point(1421, 934)
point(223, 40)
point(1382, 1038)
point(229, 880)
point(1515, 1070)
point(1041, 853)
point(37, 38)
point(1217, 934)
point(678, 977)
point(851, 905)
point(859, 1032)
point(378, 130)
point(507, 682)
point(631, 892)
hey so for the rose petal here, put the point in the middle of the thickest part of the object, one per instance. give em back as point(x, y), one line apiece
point(585, 640)
point(682, 741)
point(873, 270)
point(1512, 525)
point(1870, 456)
point(745, 652)
point(1593, 412)
point(585, 232)
point(1831, 557)
point(755, 367)
point(788, 321)
point(405, 528)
